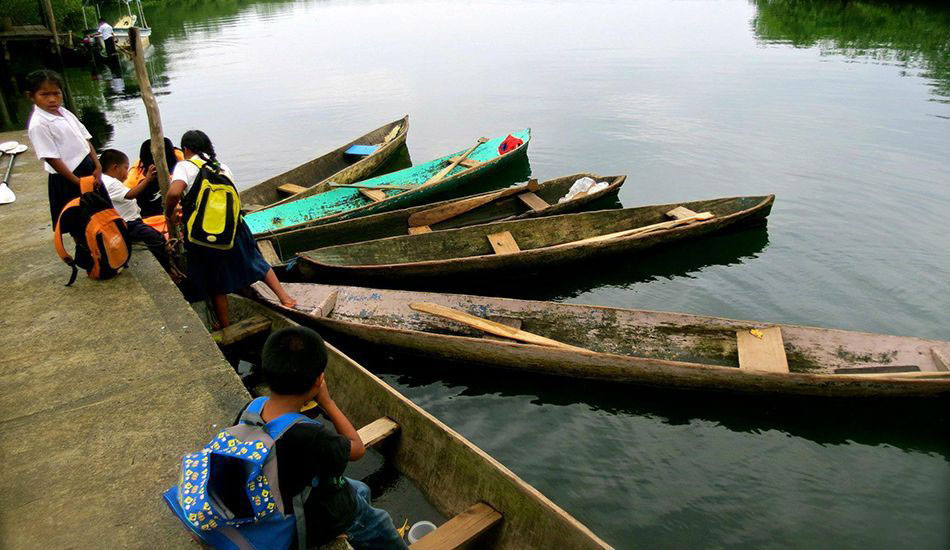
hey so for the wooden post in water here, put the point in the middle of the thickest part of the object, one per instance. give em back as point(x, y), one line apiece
point(48, 8)
point(51, 19)
point(151, 110)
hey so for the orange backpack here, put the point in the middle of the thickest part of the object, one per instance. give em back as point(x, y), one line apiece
point(105, 250)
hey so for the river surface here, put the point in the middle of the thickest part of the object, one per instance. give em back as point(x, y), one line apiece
point(840, 109)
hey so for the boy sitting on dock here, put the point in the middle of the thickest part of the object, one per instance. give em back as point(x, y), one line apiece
point(293, 361)
point(115, 168)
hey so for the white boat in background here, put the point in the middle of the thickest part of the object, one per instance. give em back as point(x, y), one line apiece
point(122, 25)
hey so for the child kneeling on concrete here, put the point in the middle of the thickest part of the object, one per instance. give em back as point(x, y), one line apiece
point(115, 168)
point(292, 363)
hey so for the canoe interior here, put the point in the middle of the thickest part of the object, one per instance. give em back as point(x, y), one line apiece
point(624, 332)
point(331, 164)
point(334, 204)
point(396, 223)
point(451, 472)
point(530, 234)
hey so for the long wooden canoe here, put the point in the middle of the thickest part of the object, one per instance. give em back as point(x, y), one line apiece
point(400, 189)
point(491, 206)
point(337, 166)
point(456, 477)
point(528, 244)
point(628, 345)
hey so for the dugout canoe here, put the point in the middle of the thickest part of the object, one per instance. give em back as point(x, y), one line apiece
point(452, 473)
point(628, 345)
point(526, 245)
point(509, 204)
point(337, 166)
point(400, 189)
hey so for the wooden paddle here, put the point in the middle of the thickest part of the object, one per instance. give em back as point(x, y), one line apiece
point(461, 206)
point(490, 327)
point(442, 173)
point(392, 133)
point(645, 229)
point(359, 186)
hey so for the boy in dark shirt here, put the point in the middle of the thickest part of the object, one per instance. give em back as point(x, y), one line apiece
point(293, 362)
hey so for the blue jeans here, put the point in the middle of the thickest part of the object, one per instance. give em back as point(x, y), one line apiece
point(372, 528)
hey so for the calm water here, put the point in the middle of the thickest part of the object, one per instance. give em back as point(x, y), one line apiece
point(841, 109)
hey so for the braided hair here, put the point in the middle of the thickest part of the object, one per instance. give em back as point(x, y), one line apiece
point(199, 143)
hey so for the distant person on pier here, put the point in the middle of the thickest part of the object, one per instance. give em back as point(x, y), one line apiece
point(61, 141)
point(214, 271)
point(150, 200)
point(108, 36)
point(115, 168)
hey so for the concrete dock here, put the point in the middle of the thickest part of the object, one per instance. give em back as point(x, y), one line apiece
point(105, 385)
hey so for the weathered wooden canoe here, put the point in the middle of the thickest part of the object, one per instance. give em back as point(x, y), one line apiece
point(454, 475)
point(627, 345)
point(527, 244)
point(336, 166)
point(508, 205)
point(400, 189)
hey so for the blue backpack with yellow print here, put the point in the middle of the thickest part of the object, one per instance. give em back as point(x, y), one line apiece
point(228, 494)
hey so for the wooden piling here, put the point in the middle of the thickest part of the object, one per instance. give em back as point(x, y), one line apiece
point(151, 110)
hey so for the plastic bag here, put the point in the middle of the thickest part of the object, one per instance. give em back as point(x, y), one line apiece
point(583, 185)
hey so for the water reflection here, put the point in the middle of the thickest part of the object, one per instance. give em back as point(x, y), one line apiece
point(684, 259)
point(915, 35)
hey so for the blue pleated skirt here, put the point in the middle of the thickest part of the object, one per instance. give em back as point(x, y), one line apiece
point(213, 272)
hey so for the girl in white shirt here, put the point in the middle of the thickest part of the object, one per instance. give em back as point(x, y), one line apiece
point(216, 273)
point(61, 141)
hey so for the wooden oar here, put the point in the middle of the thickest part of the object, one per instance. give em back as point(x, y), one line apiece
point(442, 173)
point(359, 186)
point(645, 229)
point(490, 327)
point(461, 206)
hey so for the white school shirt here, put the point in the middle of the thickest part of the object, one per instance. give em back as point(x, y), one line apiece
point(58, 137)
point(186, 171)
point(127, 208)
point(106, 31)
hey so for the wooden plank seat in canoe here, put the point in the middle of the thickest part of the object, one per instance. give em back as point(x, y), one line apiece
point(449, 214)
point(625, 345)
point(544, 241)
point(336, 165)
point(467, 493)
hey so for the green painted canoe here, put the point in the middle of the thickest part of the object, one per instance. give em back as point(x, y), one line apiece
point(330, 204)
point(334, 166)
point(391, 224)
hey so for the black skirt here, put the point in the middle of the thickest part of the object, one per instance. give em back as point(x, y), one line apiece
point(61, 190)
point(213, 272)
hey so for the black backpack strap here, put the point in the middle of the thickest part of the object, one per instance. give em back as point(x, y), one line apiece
point(300, 516)
point(191, 197)
point(72, 278)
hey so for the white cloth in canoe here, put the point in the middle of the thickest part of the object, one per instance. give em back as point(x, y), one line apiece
point(584, 185)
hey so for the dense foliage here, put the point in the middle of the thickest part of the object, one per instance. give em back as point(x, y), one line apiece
point(913, 34)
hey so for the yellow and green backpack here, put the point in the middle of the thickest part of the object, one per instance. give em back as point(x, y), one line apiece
point(212, 208)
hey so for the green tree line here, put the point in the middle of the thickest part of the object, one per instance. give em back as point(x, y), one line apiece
point(912, 34)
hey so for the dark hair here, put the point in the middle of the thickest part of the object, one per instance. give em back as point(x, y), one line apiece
point(102, 19)
point(146, 159)
point(36, 79)
point(199, 143)
point(111, 157)
point(292, 360)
